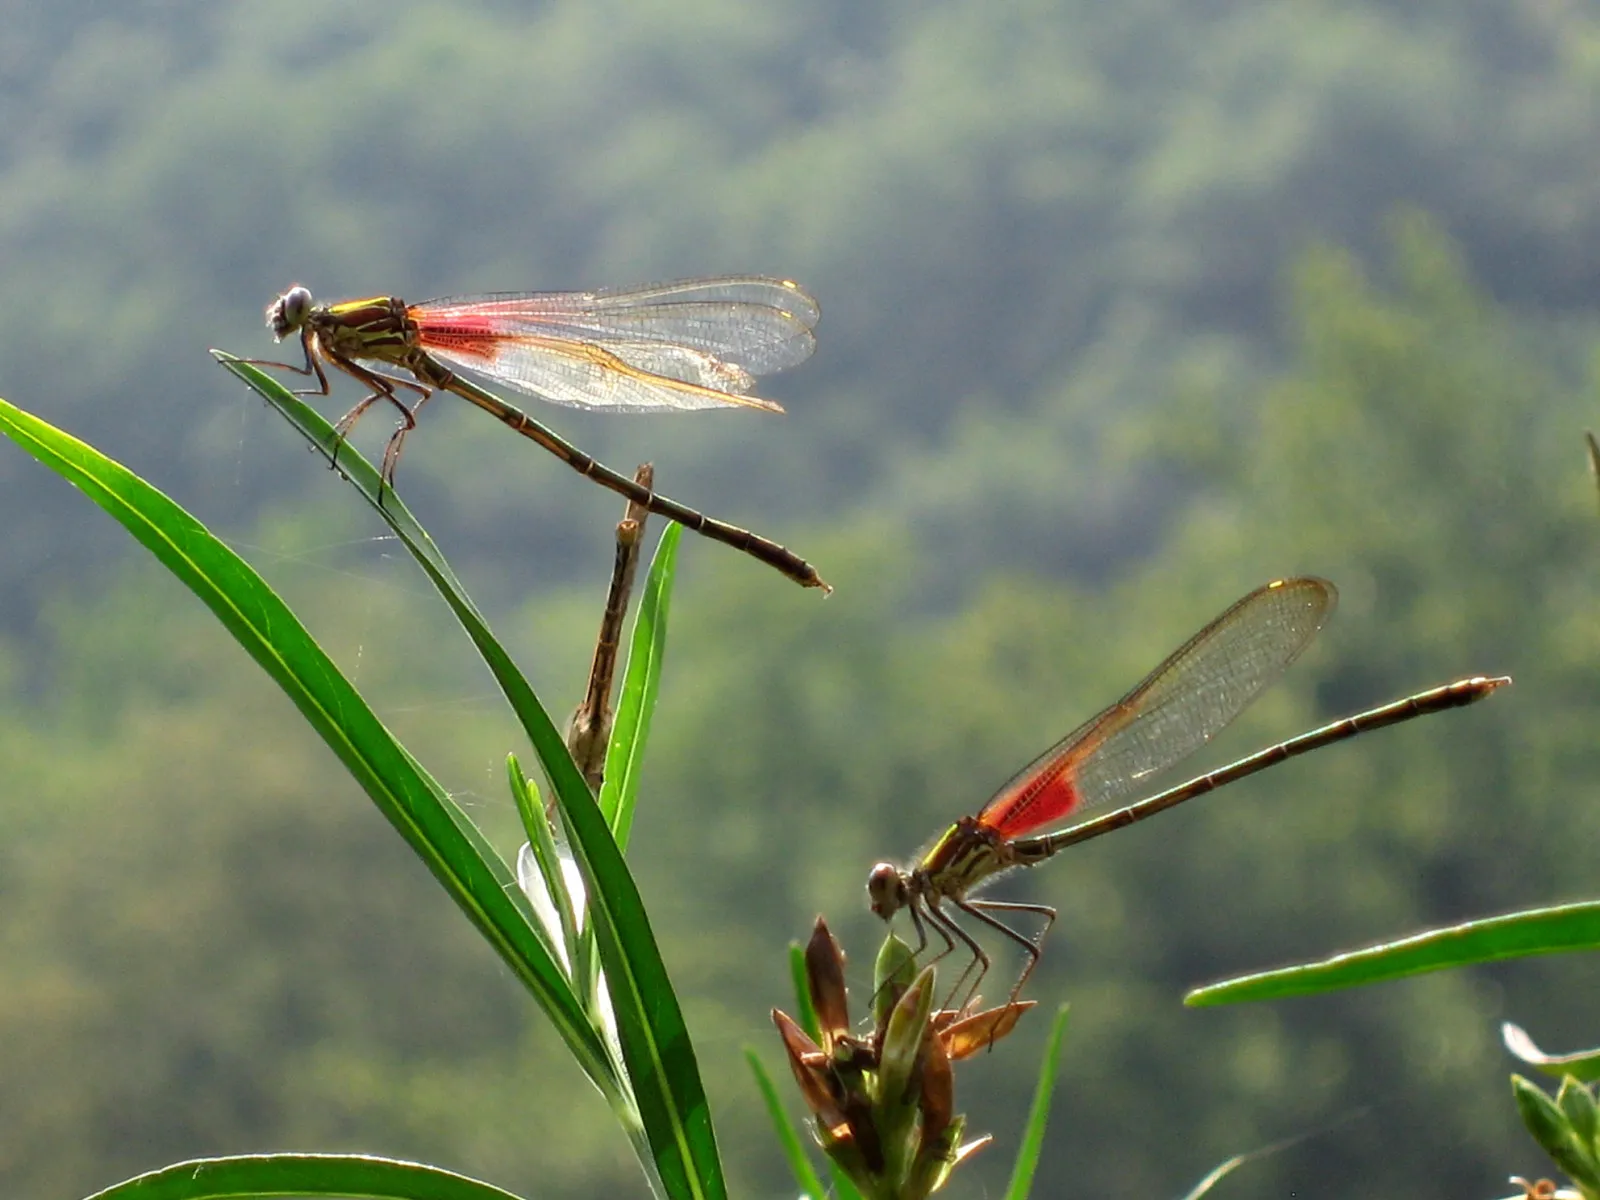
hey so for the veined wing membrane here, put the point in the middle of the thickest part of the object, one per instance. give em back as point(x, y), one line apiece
point(1179, 706)
point(735, 289)
point(584, 375)
point(761, 325)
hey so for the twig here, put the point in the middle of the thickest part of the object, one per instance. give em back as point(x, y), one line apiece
point(590, 729)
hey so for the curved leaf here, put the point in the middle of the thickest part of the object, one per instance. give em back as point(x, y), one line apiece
point(655, 1041)
point(636, 702)
point(1556, 930)
point(794, 1150)
point(1039, 1112)
point(440, 833)
point(1580, 1064)
point(667, 1094)
point(348, 1175)
point(365, 479)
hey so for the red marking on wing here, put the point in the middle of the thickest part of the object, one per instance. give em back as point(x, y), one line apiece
point(464, 334)
point(1039, 800)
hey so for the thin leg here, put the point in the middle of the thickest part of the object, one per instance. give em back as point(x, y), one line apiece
point(979, 961)
point(391, 449)
point(391, 452)
point(921, 927)
point(981, 909)
point(922, 940)
point(383, 388)
point(311, 367)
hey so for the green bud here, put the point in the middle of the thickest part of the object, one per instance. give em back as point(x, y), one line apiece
point(902, 1039)
point(892, 974)
point(899, 1090)
point(847, 1154)
point(935, 1160)
point(1554, 1133)
point(1577, 1102)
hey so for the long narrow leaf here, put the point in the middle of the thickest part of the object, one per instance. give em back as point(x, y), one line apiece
point(442, 835)
point(655, 1041)
point(344, 1175)
point(1039, 1113)
point(630, 730)
point(548, 744)
point(1583, 1065)
point(669, 1131)
point(1215, 1176)
point(665, 1079)
point(794, 1150)
point(1222, 1170)
point(541, 848)
point(800, 980)
point(1556, 930)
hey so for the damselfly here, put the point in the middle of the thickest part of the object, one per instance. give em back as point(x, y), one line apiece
point(670, 347)
point(1173, 711)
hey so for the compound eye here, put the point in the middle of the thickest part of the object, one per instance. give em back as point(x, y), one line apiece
point(886, 890)
point(289, 311)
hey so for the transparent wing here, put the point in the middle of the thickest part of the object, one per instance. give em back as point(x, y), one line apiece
point(759, 324)
point(620, 378)
point(1179, 706)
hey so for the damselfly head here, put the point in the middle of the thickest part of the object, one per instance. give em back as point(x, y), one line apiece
point(886, 890)
point(289, 312)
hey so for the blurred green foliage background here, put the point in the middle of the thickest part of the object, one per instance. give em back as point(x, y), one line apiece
point(1127, 308)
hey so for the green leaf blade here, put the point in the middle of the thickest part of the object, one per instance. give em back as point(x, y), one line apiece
point(1032, 1147)
point(794, 1150)
point(311, 425)
point(435, 828)
point(660, 1057)
point(260, 1175)
point(1580, 1064)
point(641, 682)
point(1556, 930)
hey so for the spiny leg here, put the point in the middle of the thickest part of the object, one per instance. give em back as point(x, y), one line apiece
point(914, 909)
point(977, 909)
point(391, 451)
point(346, 423)
point(935, 921)
point(311, 367)
point(383, 388)
point(979, 960)
point(922, 932)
